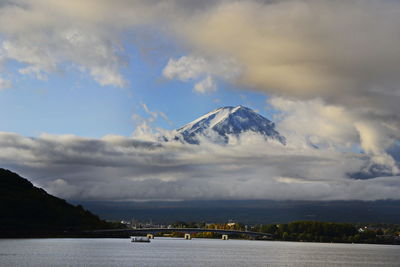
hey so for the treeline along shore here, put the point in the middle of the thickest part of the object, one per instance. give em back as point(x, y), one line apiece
point(312, 231)
point(303, 231)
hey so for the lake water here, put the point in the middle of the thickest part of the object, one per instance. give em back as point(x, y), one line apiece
point(195, 252)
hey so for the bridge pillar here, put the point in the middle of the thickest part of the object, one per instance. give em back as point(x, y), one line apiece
point(188, 237)
point(225, 237)
point(150, 236)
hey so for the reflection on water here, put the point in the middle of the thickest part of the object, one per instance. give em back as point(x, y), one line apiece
point(196, 252)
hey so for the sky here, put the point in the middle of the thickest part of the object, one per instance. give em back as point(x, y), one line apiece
point(87, 87)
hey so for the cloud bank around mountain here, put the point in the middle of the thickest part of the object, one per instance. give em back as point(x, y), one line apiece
point(120, 168)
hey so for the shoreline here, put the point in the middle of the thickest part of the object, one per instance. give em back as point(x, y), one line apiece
point(181, 238)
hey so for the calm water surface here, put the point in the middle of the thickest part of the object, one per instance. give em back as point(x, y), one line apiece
point(196, 252)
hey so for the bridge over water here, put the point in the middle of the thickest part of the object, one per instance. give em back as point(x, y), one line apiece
point(150, 232)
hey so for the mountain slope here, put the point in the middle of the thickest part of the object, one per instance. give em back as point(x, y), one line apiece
point(27, 210)
point(221, 123)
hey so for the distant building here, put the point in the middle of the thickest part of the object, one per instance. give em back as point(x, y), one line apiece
point(362, 229)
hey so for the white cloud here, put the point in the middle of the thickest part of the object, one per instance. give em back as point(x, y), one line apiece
point(4, 84)
point(153, 114)
point(201, 70)
point(186, 68)
point(39, 62)
point(206, 85)
point(106, 76)
point(144, 131)
point(319, 123)
point(43, 54)
point(316, 123)
point(144, 125)
point(165, 117)
point(46, 35)
point(374, 141)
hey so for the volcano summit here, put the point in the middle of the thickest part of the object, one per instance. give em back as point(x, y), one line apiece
point(219, 124)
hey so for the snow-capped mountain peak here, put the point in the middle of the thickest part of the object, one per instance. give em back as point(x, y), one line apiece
point(221, 123)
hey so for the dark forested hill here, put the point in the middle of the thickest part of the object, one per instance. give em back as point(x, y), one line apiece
point(26, 210)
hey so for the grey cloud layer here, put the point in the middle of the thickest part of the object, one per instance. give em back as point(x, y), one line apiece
point(118, 168)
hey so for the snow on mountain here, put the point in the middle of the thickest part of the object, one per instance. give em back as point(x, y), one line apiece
point(221, 123)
